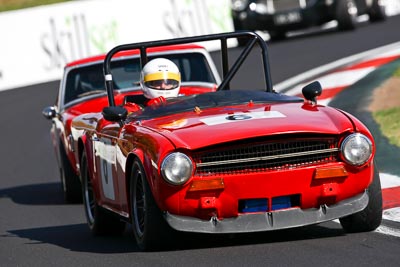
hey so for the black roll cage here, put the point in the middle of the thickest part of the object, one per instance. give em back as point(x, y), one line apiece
point(223, 37)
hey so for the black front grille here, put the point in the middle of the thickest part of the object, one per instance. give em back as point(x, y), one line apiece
point(263, 156)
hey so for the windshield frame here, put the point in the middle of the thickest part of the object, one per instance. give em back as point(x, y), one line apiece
point(209, 64)
point(209, 100)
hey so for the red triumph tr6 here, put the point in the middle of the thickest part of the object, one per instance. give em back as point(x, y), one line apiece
point(229, 161)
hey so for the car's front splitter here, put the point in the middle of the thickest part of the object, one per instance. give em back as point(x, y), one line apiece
point(268, 221)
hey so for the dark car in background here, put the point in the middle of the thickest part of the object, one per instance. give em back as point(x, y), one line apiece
point(280, 16)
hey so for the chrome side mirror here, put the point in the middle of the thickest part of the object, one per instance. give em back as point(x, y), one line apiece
point(49, 112)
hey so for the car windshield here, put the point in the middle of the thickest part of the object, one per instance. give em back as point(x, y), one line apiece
point(212, 99)
point(89, 80)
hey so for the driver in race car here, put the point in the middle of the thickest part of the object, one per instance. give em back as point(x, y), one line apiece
point(160, 79)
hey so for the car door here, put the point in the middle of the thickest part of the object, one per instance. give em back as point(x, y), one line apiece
point(105, 150)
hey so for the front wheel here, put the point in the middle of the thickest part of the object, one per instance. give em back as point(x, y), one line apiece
point(70, 183)
point(238, 27)
point(100, 221)
point(346, 14)
point(371, 217)
point(149, 227)
point(277, 35)
point(377, 11)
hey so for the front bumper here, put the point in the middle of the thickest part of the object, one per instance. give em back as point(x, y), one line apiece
point(281, 219)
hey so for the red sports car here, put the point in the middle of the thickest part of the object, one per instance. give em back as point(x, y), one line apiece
point(82, 90)
point(229, 161)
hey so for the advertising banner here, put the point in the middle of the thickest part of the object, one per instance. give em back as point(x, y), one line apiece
point(38, 42)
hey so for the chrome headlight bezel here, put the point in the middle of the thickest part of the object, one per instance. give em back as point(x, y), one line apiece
point(177, 168)
point(356, 149)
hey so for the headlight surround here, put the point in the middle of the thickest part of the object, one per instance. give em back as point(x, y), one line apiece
point(177, 168)
point(239, 5)
point(356, 149)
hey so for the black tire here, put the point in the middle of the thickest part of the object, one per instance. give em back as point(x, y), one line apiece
point(70, 182)
point(346, 14)
point(377, 12)
point(242, 41)
point(100, 221)
point(238, 27)
point(277, 35)
point(371, 217)
point(150, 229)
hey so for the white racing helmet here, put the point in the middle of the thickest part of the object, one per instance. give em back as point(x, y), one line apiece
point(160, 77)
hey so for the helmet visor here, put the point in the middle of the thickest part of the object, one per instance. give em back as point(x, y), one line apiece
point(162, 80)
point(164, 84)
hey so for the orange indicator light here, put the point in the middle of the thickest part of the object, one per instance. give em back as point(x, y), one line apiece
point(332, 172)
point(203, 185)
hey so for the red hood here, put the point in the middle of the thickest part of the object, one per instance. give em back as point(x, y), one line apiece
point(195, 130)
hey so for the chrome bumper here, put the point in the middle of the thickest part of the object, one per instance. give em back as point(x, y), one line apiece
point(281, 219)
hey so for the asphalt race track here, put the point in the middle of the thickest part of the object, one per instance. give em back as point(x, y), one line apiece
point(38, 229)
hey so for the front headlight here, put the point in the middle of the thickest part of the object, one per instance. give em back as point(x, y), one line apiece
point(356, 149)
point(239, 5)
point(177, 168)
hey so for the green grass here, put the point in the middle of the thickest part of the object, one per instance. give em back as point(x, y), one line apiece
point(397, 72)
point(7, 5)
point(389, 123)
point(388, 119)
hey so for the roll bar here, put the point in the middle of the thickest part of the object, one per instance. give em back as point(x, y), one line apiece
point(228, 74)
